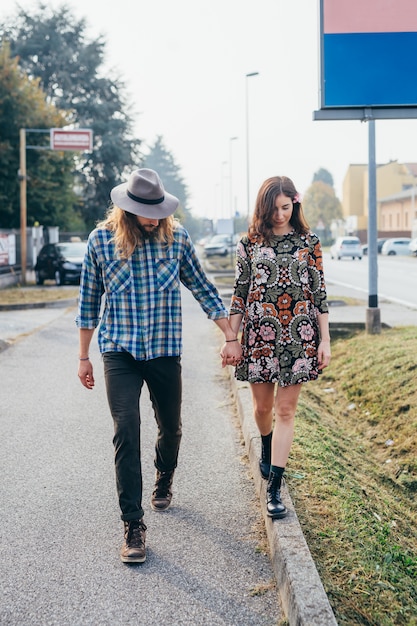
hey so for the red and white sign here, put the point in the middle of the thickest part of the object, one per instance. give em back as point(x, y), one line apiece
point(80, 139)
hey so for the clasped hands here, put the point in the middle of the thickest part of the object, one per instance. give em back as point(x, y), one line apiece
point(231, 353)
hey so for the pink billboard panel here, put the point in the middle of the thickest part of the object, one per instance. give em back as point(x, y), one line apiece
point(369, 16)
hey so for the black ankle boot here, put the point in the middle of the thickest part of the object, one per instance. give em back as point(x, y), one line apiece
point(274, 505)
point(265, 460)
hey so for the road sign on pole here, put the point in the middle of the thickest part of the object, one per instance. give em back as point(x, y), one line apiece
point(80, 139)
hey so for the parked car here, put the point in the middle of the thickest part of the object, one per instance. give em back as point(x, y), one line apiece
point(379, 243)
point(413, 246)
point(60, 262)
point(220, 245)
point(346, 246)
point(397, 245)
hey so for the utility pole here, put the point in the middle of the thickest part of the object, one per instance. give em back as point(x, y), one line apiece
point(23, 205)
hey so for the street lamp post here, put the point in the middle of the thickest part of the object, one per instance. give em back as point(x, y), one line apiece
point(231, 140)
point(247, 142)
point(222, 177)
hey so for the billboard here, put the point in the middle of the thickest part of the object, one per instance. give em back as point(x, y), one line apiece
point(368, 53)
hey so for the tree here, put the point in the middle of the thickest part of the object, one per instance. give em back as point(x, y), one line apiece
point(324, 176)
point(321, 208)
point(23, 104)
point(162, 161)
point(53, 46)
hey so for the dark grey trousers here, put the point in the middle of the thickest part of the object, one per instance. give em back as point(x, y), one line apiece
point(124, 378)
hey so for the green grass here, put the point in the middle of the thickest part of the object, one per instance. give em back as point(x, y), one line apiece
point(353, 478)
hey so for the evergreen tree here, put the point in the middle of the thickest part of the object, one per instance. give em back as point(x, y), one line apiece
point(53, 46)
point(50, 198)
point(162, 161)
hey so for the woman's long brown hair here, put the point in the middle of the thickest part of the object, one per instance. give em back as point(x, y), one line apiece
point(261, 225)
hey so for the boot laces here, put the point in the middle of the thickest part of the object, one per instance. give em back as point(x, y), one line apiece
point(163, 484)
point(135, 531)
point(275, 488)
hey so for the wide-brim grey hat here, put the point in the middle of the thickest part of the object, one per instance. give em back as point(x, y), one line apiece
point(144, 195)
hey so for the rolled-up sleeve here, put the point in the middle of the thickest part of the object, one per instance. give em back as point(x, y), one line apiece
point(91, 290)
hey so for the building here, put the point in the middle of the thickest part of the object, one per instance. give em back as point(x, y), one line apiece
point(397, 214)
point(396, 199)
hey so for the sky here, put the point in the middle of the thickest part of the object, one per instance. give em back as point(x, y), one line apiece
point(184, 64)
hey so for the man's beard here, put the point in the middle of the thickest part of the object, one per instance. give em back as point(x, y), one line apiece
point(151, 234)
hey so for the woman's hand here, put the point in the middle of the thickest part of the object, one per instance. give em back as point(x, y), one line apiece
point(231, 353)
point(324, 354)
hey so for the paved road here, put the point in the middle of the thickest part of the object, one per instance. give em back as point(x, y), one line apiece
point(60, 526)
point(397, 277)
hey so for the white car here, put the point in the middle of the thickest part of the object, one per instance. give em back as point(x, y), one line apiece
point(220, 245)
point(397, 245)
point(346, 246)
point(413, 246)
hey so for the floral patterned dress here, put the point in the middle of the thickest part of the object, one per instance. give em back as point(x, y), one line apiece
point(279, 289)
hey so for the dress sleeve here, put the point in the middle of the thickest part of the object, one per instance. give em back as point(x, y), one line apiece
point(316, 275)
point(242, 277)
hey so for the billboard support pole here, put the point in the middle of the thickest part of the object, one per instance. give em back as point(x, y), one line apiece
point(373, 313)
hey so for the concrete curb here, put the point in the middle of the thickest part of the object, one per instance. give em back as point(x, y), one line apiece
point(303, 597)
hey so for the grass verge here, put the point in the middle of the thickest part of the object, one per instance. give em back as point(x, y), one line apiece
point(352, 475)
point(33, 294)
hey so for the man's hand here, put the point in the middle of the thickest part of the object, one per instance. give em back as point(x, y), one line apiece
point(231, 353)
point(85, 374)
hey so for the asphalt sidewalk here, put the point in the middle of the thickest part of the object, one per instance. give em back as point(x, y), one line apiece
point(300, 590)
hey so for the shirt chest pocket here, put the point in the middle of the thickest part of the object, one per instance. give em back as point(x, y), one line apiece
point(117, 277)
point(167, 274)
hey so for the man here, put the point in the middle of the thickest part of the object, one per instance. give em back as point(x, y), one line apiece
point(138, 257)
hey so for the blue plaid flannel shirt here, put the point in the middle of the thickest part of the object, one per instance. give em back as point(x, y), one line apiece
point(141, 311)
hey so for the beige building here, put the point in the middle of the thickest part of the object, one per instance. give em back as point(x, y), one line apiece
point(396, 199)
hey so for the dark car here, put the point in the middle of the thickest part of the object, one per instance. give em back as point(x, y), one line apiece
point(60, 262)
point(379, 243)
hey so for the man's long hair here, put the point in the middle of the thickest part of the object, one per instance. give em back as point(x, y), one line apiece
point(261, 225)
point(127, 234)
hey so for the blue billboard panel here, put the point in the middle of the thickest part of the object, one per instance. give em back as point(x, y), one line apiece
point(368, 53)
point(370, 69)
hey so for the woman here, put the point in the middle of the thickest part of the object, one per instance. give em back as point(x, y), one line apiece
point(280, 295)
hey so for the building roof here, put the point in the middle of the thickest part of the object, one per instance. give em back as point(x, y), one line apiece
point(412, 167)
point(402, 195)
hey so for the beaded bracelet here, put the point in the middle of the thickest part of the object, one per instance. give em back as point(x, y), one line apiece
point(87, 358)
point(230, 340)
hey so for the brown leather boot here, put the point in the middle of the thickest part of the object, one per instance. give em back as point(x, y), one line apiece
point(133, 548)
point(162, 494)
